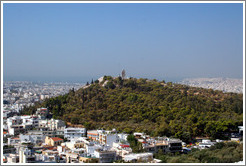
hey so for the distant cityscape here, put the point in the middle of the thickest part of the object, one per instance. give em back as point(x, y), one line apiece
point(16, 94)
point(223, 84)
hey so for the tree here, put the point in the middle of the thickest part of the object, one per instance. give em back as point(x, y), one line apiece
point(134, 144)
point(110, 85)
point(75, 120)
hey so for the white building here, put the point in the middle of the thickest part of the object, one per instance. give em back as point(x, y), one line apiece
point(35, 139)
point(105, 156)
point(206, 143)
point(107, 137)
point(74, 133)
point(16, 120)
point(16, 129)
point(42, 112)
point(26, 155)
point(13, 141)
point(13, 158)
point(52, 124)
point(139, 157)
point(121, 149)
point(18, 124)
point(122, 136)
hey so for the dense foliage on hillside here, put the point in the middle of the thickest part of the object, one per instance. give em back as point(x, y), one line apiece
point(230, 152)
point(157, 108)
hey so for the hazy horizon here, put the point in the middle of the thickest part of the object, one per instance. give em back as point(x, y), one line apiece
point(80, 42)
point(78, 79)
point(88, 79)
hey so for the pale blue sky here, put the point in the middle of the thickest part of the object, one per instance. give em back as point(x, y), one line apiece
point(77, 42)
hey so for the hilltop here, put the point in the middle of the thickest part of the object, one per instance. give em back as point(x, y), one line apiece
point(150, 106)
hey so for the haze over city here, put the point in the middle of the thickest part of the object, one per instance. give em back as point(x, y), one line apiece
point(78, 42)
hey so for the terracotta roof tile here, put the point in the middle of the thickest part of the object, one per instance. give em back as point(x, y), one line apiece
point(56, 139)
point(124, 146)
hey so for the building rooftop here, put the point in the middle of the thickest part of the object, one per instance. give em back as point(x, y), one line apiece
point(92, 132)
point(124, 146)
point(161, 143)
point(56, 139)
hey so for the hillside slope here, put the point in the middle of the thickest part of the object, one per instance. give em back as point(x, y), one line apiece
point(157, 108)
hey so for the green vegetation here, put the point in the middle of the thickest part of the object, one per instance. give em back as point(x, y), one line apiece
point(135, 145)
point(156, 108)
point(230, 152)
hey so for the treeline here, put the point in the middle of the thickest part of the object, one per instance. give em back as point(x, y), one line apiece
point(156, 108)
point(230, 152)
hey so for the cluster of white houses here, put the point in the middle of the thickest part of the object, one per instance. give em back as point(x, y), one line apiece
point(36, 139)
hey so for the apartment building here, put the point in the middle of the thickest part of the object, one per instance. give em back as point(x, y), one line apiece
point(74, 133)
point(107, 137)
point(175, 145)
point(19, 124)
point(26, 155)
point(13, 141)
point(93, 134)
point(35, 139)
point(42, 112)
point(52, 124)
point(105, 156)
point(139, 157)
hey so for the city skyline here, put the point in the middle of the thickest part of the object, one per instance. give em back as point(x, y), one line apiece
point(78, 42)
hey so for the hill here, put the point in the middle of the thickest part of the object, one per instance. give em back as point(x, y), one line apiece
point(143, 105)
